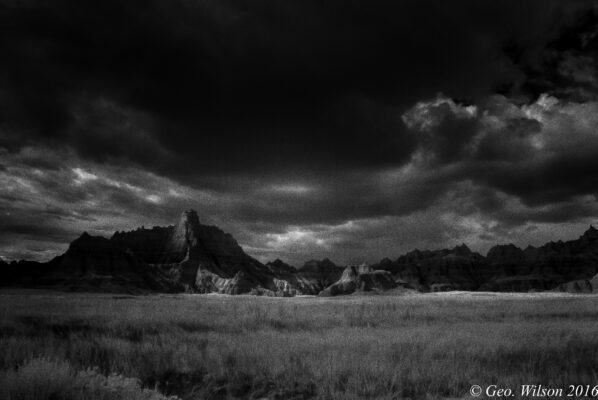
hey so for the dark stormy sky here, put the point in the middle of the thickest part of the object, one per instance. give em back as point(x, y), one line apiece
point(351, 129)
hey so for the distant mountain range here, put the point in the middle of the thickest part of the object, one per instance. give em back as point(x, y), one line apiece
point(192, 257)
point(506, 268)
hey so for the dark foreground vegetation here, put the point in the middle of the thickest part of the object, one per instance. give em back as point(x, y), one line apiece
point(81, 346)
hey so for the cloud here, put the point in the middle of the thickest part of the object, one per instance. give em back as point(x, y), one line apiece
point(194, 89)
point(445, 128)
point(541, 152)
point(304, 128)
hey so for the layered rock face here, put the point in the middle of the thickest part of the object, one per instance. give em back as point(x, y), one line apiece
point(441, 270)
point(93, 264)
point(505, 259)
point(193, 257)
point(279, 267)
point(580, 286)
point(310, 279)
point(189, 256)
point(545, 267)
point(148, 244)
point(360, 279)
point(314, 276)
point(567, 266)
point(201, 258)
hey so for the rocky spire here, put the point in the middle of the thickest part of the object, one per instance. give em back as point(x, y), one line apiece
point(186, 231)
point(462, 250)
point(591, 233)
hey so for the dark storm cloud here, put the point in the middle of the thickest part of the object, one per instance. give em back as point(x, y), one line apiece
point(331, 200)
point(196, 87)
point(566, 66)
point(32, 228)
point(305, 128)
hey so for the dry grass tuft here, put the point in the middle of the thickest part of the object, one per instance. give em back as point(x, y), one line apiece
point(43, 379)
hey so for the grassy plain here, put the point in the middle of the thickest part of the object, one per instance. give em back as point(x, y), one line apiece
point(91, 346)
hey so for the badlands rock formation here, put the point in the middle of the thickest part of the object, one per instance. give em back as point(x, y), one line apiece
point(358, 279)
point(544, 267)
point(193, 257)
point(279, 267)
point(91, 263)
point(94, 262)
point(313, 277)
point(186, 257)
point(580, 286)
point(201, 258)
point(440, 270)
point(560, 265)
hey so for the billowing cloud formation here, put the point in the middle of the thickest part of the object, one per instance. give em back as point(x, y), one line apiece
point(542, 152)
point(306, 129)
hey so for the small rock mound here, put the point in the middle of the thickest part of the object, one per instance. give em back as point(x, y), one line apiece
point(580, 286)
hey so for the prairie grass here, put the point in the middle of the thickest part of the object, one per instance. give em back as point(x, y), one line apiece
point(42, 379)
point(379, 347)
